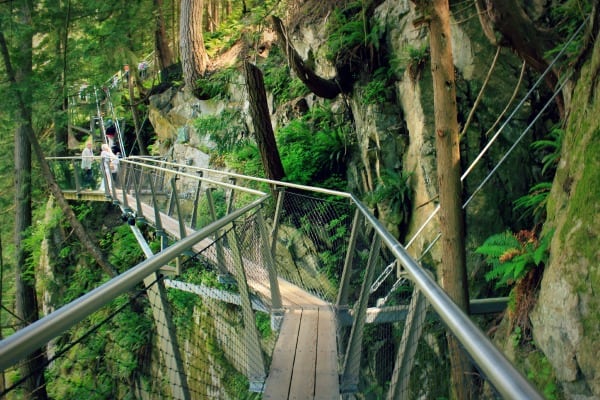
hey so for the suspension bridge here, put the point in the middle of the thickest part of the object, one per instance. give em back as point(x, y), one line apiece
point(351, 314)
point(269, 253)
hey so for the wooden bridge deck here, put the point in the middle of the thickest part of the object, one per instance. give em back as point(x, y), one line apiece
point(304, 362)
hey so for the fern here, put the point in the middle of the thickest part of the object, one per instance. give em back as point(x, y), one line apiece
point(534, 203)
point(394, 191)
point(512, 256)
point(552, 144)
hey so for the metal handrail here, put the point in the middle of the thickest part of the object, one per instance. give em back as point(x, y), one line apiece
point(509, 382)
point(505, 377)
point(36, 335)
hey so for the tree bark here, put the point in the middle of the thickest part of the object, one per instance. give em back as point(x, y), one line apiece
point(452, 271)
point(326, 88)
point(194, 59)
point(263, 130)
point(26, 307)
point(163, 51)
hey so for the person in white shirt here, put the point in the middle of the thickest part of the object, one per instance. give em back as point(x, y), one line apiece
point(87, 158)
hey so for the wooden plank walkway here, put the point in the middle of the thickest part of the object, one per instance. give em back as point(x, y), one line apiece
point(304, 364)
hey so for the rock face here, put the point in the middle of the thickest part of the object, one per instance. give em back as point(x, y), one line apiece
point(566, 320)
point(397, 136)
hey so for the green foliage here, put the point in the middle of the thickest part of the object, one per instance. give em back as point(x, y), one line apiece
point(350, 33)
point(394, 192)
point(541, 373)
point(552, 146)
point(278, 79)
point(533, 204)
point(125, 252)
point(379, 89)
point(227, 130)
point(511, 256)
point(263, 324)
point(333, 255)
point(215, 85)
point(313, 148)
point(411, 58)
point(246, 160)
point(566, 18)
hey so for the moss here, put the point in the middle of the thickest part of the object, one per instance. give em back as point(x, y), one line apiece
point(575, 202)
point(540, 372)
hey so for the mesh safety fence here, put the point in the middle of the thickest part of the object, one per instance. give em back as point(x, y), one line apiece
point(215, 339)
point(188, 336)
point(392, 344)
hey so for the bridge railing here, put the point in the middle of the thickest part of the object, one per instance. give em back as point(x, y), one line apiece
point(107, 339)
point(391, 330)
point(392, 315)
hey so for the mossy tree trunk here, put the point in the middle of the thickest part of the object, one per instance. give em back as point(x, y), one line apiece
point(26, 307)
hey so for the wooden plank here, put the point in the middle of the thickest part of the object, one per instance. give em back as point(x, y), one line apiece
point(326, 372)
point(277, 385)
point(303, 376)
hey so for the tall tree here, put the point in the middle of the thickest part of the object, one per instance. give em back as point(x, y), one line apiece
point(26, 307)
point(263, 130)
point(165, 55)
point(194, 59)
point(452, 271)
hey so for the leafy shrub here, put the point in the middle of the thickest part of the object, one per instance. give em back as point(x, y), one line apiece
point(350, 33)
point(393, 191)
point(215, 85)
point(533, 204)
point(313, 148)
point(379, 89)
point(226, 130)
point(511, 256)
point(411, 58)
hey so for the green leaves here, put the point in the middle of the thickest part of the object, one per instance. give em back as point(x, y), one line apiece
point(511, 256)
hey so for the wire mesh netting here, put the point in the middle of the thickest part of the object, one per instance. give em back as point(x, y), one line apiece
point(203, 328)
point(312, 241)
point(172, 338)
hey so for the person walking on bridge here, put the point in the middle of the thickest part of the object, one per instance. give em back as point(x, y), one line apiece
point(87, 158)
point(107, 159)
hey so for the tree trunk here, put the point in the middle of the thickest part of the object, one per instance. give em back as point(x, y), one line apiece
point(326, 88)
point(163, 51)
point(194, 59)
point(452, 271)
point(61, 117)
point(24, 114)
point(259, 111)
point(25, 294)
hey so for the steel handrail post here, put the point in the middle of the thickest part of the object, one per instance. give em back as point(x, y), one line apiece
point(174, 193)
point(218, 243)
point(350, 368)
point(276, 219)
point(269, 260)
point(196, 200)
point(76, 176)
point(342, 299)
